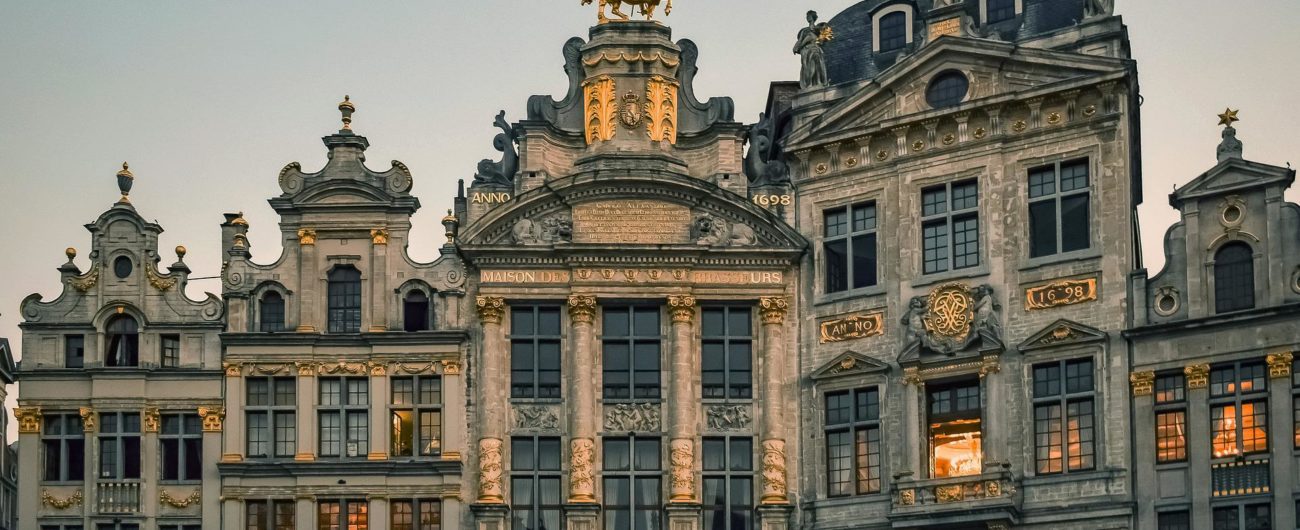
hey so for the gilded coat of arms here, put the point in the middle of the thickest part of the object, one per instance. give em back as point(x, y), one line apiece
point(631, 111)
point(951, 312)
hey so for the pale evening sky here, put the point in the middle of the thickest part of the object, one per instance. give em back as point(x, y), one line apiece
point(208, 100)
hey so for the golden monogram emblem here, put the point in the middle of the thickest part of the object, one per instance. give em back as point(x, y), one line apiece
point(951, 311)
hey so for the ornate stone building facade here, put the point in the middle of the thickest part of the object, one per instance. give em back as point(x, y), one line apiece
point(1216, 401)
point(345, 394)
point(120, 414)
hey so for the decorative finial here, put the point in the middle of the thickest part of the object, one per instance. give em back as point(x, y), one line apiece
point(124, 181)
point(347, 108)
point(1228, 117)
point(450, 222)
point(647, 7)
point(239, 221)
point(180, 252)
point(70, 253)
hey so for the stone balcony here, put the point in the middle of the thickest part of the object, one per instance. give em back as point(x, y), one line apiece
point(117, 497)
point(991, 497)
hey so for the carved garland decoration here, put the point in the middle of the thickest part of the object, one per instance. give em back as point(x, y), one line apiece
point(84, 282)
point(158, 281)
point(774, 483)
point(489, 468)
point(192, 499)
point(50, 500)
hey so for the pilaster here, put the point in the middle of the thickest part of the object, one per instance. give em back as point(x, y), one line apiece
point(495, 404)
point(1198, 442)
point(1280, 439)
point(234, 446)
point(1144, 440)
point(582, 423)
point(306, 415)
point(379, 421)
point(683, 402)
point(774, 461)
point(379, 292)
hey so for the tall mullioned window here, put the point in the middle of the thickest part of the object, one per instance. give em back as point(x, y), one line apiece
point(269, 515)
point(347, 514)
point(728, 483)
point(1239, 409)
point(727, 352)
point(181, 444)
point(64, 443)
point(416, 514)
point(271, 312)
point(119, 445)
point(1250, 516)
point(344, 300)
point(956, 418)
point(123, 342)
point(950, 226)
point(535, 352)
point(893, 31)
point(270, 411)
point(344, 417)
point(1173, 521)
point(1064, 417)
point(1171, 418)
point(171, 350)
point(536, 491)
point(632, 343)
point(853, 441)
point(849, 247)
point(633, 492)
point(417, 416)
point(1058, 208)
point(1234, 278)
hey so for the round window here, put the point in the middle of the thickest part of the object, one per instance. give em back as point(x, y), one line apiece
point(947, 89)
point(1232, 214)
point(122, 266)
point(1166, 302)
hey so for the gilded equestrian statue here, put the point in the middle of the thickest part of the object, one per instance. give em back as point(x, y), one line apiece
point(647, 8)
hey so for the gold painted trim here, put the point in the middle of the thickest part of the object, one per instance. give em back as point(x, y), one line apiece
point(1061, 293)
point(1198, 375)
point(1279, 364)
point(639, 57)
point(1143, 383)
point(182, 502)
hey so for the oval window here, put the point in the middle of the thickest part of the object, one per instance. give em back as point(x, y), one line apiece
point(122, 266)
point(947, 89)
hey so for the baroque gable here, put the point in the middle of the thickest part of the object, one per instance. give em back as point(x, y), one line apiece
point(1232, 175)
point(849, 364)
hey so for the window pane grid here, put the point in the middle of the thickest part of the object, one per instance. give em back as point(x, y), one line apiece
point(728, 483)
point(535, 358)
point(1000, 10)
point(726, 353)
point(344, 300)
point(632, 483)
point(893, 31)
point(631, 352)
point(849, 248)
point(950, 228)
point(344, 417)
point(852, 424)
point(270, 413)
point(416, 416)
point(1064, 417)
point(1059, 208)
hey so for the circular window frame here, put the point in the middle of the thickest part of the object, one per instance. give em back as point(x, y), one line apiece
point(942, 76)
point(1167, 294)
point(118, 266)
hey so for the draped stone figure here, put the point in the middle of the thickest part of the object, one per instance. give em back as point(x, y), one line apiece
point(809, 48)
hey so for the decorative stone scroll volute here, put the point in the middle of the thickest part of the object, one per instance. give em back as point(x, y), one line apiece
point(773, 309)
point(29, 419)
point(1143, 382)
point(491, 309)
point(1198, 375)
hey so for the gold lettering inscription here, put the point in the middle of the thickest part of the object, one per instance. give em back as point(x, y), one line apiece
point(632, 276)
point(950, 26)
point(631, 221)
point(853, 327)
point(524, 276)
point(490, 198)
point(1065, 292)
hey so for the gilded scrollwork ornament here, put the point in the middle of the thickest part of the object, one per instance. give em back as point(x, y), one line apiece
point(50, 500)
point(151, 419)
point(599, 109)
point(1143, 383)
point(88, 420)
point(773, 309)
point(158, 281)
point(1279, 364)
point(582, 308)
point(29, 419)
point(490, 309)
point(682, 307)
point(306, 237)
point(213, 417)
point(661, 109)
point(86, 281)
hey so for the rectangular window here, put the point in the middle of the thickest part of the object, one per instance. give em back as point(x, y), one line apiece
point(417, 515)
point(61, 527)
point(417, 416)
point(74, 351)
point(950, 227)
point(956, 442)
point(631, 342)
point(853, 441)
point(181, 443)
point(270, 408)
point(536, 489)
point(849, 246)
point(1064, 432)
point(535, 352)
point(344, 417)
point(633, 467)
point(1238, 409)
point(1171, 418)
point(192, 526)
point(1058, 208)
point(269, 515)
point(64, 442)
point(171, 351)
point(726, 354)
point(1257, 516)
point(729, 483)
point(119, 445)
point(1000, 10)
point(342, 515)
point(1173, 521)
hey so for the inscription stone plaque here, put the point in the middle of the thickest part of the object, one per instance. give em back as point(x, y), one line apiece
point(631, 221)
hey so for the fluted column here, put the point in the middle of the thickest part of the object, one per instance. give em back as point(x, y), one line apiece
point(682, 402)
point(494, 402)
point(582, 423)
point(773, 310)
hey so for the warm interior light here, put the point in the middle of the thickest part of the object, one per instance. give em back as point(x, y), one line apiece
point(957, 448)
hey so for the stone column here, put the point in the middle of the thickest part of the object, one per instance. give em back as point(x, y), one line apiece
point(30, 421)
point(773, 310)
point(453, 406)
point(379, 281)
point(379, 421)
point(682, 401)
point(307, 281)
point(305, 516)
point(1198, 442)
point(1144, 450)
point(1279, 406)
point(494, 402)
point(582, 421)
point(996, 428)
point(377, 516)
point(305, 418)
point(149, 457)
point(232, 514)
point(233, 450)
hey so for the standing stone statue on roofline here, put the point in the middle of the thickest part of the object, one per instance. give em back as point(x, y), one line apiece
point(809, 49)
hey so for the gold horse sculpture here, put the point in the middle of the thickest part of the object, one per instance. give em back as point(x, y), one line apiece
point(647, 8)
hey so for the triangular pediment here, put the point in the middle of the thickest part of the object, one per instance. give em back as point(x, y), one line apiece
point(996, 70)
point(1233, 175)
point(850, 364)
point(1062, 333)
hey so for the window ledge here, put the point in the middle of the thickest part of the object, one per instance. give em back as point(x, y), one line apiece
point(865, 292)
point(959, 274)
point(727, 401)
point(536, 401)
point(1086, 254)
point(1042, 480)
point(851, 500)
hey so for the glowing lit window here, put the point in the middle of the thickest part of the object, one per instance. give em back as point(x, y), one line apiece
point(1238, 409)
point(1064, 417)
point(1171, 418)
point(956, 447)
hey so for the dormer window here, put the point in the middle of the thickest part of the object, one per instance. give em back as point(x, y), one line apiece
point(891, 32)
point(415, 311)
point(1234, 278)
point(122, 267)
point(123, 342)
point(271, 312)
point(1000, 10)
point(345, 300)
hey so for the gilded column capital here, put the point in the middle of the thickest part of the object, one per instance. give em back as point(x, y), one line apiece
point(773, 309)
point(306, 237)
point(377, 369)
point(774, 475)
point(29, 419)
point(489, 470)
point(1198, 375)
point(491, 309)
point(1143, 383)
point(306, 369)
point(379, 236)
point(233, 369)
point(151, 419)
point(212, 418)
point(88, 423)
point(582, 308)
point(1279, 364)
point(451, 367)
point(582, 475)
point(682, 307)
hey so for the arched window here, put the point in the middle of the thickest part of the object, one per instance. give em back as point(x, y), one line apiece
point(999, 10)
point(271, 312)
point(415, 311)
point(123, 342)
point(1234, 278)
point(893, 31)
point(345, 300)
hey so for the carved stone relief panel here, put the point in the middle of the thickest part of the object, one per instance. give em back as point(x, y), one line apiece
point(633, 417)
point(537, 417)
point(722, 418)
